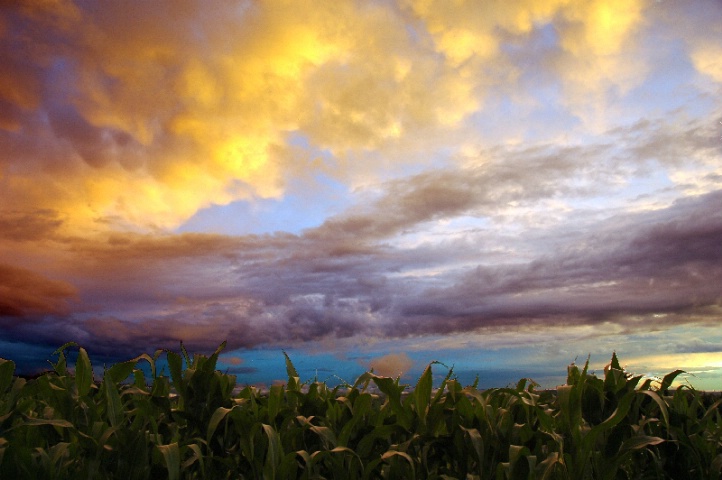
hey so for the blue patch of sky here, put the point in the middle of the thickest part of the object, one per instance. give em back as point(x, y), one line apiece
point(29, 358)
point(270, 366)
point(290, 214)
point(308, 200)
point(495, 368)
point(541, 111)
point(653, 184)
point(669, 84)
point(301, 207)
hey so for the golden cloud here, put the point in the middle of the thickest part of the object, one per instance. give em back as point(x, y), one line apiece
point(706, 59)
point(157, 112)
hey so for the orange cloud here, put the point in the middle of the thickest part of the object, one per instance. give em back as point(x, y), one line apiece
point(23, 293)
point(233, 360)
point(391, 365)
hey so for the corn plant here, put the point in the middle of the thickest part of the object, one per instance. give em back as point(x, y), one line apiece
point(196, 424)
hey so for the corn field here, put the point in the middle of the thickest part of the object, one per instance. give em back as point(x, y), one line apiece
point(196, 424)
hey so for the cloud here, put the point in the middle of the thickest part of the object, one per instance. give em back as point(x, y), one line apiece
point(391, 365)
point(439, 252)
point(28, 226)
point(502, 167)
point(656, 266)
point(593, 43)
point(25, 294)
point(661, 264)
point(701, 48)
point(235, 361)
point(705, 61)
point(137, 121)
point(148, 121)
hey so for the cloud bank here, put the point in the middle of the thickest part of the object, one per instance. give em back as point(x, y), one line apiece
point(477, 169)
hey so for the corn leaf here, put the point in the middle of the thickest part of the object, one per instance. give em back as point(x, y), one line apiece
point(7, 368)
point(121, 371)
point(640, 441)
point(290, 369)
point(171, 455)
point(422, 394)
point(274, 452)
point(216, 418)
point(55, 422)
point(83, 373)
point(113, 403)
point(669, 378)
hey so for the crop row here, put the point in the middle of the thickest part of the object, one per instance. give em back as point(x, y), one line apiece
point(196, 424)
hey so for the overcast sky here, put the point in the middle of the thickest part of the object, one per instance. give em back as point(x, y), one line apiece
point(503, 186)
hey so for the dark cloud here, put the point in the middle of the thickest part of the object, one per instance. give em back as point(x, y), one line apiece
point(24, 295)
point(659, 266)
point(121, 120)
point(638, 264)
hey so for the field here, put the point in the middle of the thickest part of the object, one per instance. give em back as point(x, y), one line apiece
point(197, 424)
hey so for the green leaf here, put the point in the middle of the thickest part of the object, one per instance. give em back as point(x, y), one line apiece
point(210, 365)
point(60, 366)
point(3, 446)
point(617, 416)
point(7, 368)
point(422, 394)
point(139, 378)
point(290, 369)
point(640, 441)
point(121, 371)
point(392, 390)
point(216, 418)
point(114, 406)
point(289, 466)
point(478, 443)
point(35, 422)
point(64, 347)
point(171, 455)
point(521, 462)
point(275, 397)
point(444, 382)
point(175, 364)
point(549, 466)
point(327, 436)
point(662, 405)
point(197, 456)
point(712, 410)
point(189, 363)
point(669, 378)
point(275, 451)
point(58, 451)
point(394, 453)
point(615, 362)
point(149, 359)
point(83, 373)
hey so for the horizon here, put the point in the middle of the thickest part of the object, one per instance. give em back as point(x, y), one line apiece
point(502, 187)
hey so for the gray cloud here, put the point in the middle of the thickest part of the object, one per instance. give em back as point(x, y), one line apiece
point(285, 289)
point(118, 121)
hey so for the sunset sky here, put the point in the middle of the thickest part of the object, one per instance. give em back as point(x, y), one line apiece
point(502, 186)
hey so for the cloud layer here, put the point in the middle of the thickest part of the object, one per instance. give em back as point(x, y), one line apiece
point(477, 170)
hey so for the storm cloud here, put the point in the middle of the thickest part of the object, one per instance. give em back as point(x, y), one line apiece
point(335, 175)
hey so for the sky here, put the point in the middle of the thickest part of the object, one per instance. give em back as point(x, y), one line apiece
point(505, 187)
